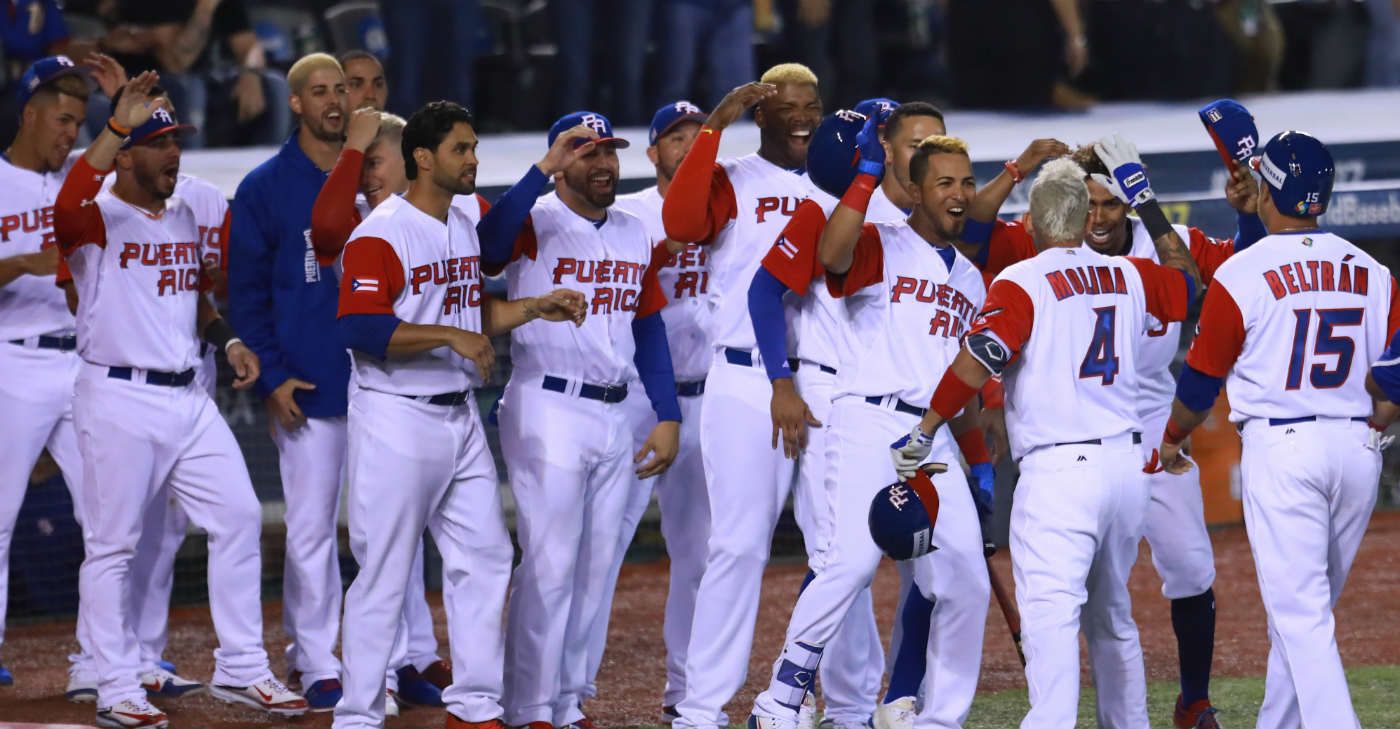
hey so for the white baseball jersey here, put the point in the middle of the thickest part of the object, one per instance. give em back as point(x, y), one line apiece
point(612, 263)
point(138, 275)
point(210, 212)
point(685, 280)
point(881, 210)
point(900, 286)
point(1296, 321)
point(31, 305)
point(1070, 320)
point(404, 262)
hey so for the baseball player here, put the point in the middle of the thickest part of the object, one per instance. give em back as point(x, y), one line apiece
point(566, 441)
point(282, 299)
point(1292, 325)
point(911, 297)
point(413, 312)
point(365, 85)
point(680, 492)
point(372, 161)
point(141, 426)
point(1077, 514)
point(738, 208)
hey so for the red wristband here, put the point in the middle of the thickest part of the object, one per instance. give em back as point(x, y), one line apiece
point(974, 447)
point(1015, 171)
point(950, 396)
point(857, 196)
point(1175, 433)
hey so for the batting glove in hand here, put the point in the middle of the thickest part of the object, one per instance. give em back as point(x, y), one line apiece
point(1128, 180)
point(908, 452)
point(872, 152)
point(1378, 441)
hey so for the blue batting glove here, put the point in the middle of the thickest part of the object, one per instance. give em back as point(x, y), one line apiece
point(909, 451)
point(984, 479)
point(1128, 179)
point(872, 152)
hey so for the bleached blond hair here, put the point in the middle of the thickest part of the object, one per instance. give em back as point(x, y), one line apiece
point(929, 146)
point(1059, 203)
point(301, 71)
point(789, 73)
point(390, 127)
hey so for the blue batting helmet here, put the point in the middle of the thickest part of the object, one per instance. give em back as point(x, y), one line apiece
point(902, 515)
point(1298, 170)
point(832, 154)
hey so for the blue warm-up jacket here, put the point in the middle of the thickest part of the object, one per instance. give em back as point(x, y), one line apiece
point(282, 301)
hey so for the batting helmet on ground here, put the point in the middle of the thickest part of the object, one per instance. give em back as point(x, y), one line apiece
point(1298, 170)
point(832, 154)
point(902, 515)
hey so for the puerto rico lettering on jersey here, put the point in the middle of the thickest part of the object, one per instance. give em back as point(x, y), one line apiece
point(166, 256)
point(785, 205)
point(690, 269)
point(30, 221)
point(955, 311)
point(605, 299)
point(465, 270)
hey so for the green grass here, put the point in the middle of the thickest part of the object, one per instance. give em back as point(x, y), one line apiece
point(1373, 692)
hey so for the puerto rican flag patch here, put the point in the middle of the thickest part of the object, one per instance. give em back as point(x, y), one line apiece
point(367, 285)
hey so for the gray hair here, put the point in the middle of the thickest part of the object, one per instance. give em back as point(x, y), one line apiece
point(1059, 203)
point(390, 130)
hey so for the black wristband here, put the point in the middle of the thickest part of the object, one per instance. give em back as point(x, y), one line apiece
point(218, 332)
point(1151, 215)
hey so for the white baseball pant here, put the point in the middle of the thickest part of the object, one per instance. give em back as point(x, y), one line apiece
point(570, 464)
point(748, 482)
point(420, 646)
point(1309, 489)
point(137, 440)
point(152, 579)
point(955, 576)
point(1175, 528)
point(853, 664)
point(1076, 520)
point(414, 466)
point(311, 461)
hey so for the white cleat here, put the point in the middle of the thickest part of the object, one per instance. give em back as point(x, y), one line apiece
point(807, 713)
point(163, 683)
point(132, 714)
point(897, 714)
point(81, 689)
point(269, 694)
point(391, 704)
point(768, 722)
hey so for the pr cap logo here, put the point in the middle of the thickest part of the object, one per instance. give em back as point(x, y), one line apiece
point(595, 122)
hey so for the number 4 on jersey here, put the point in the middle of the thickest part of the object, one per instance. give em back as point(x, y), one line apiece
point(1101, 360)
point(1325, 343)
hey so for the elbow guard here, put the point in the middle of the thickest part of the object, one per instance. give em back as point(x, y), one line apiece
point(988, 351)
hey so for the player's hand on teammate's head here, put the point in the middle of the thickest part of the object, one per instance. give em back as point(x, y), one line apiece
point(364, 127)
point(661, 444)
point(135, 107)
point(106, 71)
point(477, 348)
point(571, 144)
point(1127, 178)
point(1038, 151)
point(1241, 191)
point(791, 418)
point(732, 106)
point(245, 364)
point(562, 305)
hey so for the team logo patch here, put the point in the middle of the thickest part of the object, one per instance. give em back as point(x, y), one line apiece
point(788, 248)
point(367, 285)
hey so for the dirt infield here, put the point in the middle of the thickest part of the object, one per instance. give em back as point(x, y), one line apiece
point(633, 671)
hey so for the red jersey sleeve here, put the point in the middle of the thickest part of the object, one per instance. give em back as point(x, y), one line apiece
point(372, 277)
point(76, 218)
point(334, 217)
point(867, 265)
point(1008, 314)
point(1010, 243)
point(1220, 335)
point(1167, 291)
point(793, 257)
point(651, 299)
point(1392, 323)
point(1209, 253)
point(700, 200)
point(526, 246)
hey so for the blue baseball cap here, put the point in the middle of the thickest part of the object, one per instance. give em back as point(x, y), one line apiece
point(902, 517)
point(668, 116)
point(45, 70)
point(871, 107)
point(832, 153)
point(1299, 172)
point(1232, 128)
point(161, 122)
point(591, 119)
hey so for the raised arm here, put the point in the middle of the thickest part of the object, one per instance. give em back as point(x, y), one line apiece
point(334, 217)
point(1128, 181)
point(690, 211)
point(991, 196)
point(838, 241)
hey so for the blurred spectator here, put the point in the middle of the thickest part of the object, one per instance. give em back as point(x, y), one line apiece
point(625, 27)
point(1383, 47)
point(1016, 53)
point(209, 60)
point(1257, 36)
point(847, 62)
point(416, 49)
point(29, 30)
point(365, 86)
point(721, 32)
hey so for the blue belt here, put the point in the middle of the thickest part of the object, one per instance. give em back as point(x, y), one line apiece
point(1137, 440)
point(694, 388)
point(66, 344)
point(744, 358)
point(793, 364)
point(447, 399)
point(601, 393)
point(1306, 419)
point(899, 406)
point(154, 377)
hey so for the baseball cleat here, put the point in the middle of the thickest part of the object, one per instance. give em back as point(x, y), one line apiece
point(6, 678)
point(438, 673)
point(807, 713)
point(132, 714)
point(830, 723)
point(897, 714)
point(416, 690)
point(454, 723)
point(1199, 715)
point(669, 714)
point(81, 689)
point(323, 695)
point(534, 725)
point(268, 694)
point(581, 723)
point(768, 722)
point(391, 704)
point(161, 682)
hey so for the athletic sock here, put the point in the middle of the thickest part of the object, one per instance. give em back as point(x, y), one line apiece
point(1193, 619)
point(911, 660)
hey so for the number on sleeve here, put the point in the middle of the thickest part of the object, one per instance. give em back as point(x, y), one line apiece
point(1101, 360)
point(1325, 343)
